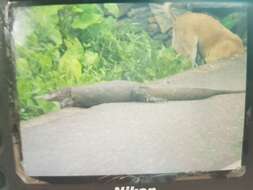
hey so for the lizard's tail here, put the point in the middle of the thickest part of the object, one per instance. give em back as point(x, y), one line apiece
point(233, 91)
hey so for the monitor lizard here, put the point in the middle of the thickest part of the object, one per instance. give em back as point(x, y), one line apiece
point(126, 91)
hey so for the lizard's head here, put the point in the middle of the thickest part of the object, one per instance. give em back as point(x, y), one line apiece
point(60, 96)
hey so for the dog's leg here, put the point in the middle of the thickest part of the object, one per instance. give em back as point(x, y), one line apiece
point(194, 52)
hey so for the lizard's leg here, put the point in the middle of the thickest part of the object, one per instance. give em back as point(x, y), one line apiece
point(67, 102)
point(154, 99)
point(140, 94)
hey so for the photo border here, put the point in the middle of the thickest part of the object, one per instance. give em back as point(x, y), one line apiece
point(12, 176)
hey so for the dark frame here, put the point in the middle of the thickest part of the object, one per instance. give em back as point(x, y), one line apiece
point(12, 176)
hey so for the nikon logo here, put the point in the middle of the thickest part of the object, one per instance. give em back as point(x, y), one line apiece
point(133, 188)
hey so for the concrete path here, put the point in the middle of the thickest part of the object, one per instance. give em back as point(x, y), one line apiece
point(137, 138)
point(222, 75)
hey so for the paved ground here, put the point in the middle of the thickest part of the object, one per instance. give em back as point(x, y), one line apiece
point(134, 138)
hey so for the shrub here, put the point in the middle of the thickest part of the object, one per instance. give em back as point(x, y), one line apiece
point(73, 45)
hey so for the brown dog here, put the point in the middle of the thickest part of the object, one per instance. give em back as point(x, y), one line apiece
point(197, 36)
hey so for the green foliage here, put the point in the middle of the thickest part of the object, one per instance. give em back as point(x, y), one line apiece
point(231, 20)
point(85, 16)
point(237, 23)
point(73, 45)
point(112, 8)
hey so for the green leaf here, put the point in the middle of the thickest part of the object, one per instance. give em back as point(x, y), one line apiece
point(74, 47)
point(45, 62)
point(44, 15)
point(112, 8)
point(70, 66)
point(91, 58)
point(231, 20)
point(88, 15)
point(55, 35)
point(85, 20)
point(77, 9)
point(23, 67)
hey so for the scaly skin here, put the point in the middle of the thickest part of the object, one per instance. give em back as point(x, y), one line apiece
point(90, 95)
point(161, 93)
point(126, 91)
